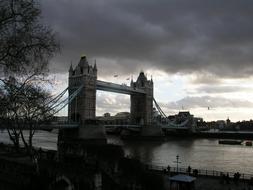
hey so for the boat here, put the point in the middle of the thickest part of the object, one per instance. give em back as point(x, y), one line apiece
point(248, 143)
point(231, 142)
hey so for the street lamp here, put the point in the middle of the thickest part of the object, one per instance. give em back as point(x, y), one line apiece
point(177, 161)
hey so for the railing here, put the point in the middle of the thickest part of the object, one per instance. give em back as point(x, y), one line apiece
point(122, 126)
point(200, 172)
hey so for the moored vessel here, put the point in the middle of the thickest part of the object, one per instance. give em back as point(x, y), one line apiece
point(248, 143)
point(231, 142)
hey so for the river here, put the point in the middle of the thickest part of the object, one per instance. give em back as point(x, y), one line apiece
point(198, 153)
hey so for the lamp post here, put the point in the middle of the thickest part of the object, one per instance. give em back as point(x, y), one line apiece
point(177, 161)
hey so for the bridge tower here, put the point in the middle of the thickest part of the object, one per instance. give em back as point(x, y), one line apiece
point(84, 105)
point(142, 104)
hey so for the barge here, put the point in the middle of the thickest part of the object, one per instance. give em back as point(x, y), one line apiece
point(230, 142)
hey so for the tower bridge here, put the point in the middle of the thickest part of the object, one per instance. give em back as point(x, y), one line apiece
point(83, 107)
point(81, 101)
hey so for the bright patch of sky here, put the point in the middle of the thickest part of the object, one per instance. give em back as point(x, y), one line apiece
point(228, 98)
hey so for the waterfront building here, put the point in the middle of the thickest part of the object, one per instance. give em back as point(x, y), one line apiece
point(121, 118)
point(220, 124)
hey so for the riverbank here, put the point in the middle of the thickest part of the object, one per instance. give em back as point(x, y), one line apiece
point(242, 135)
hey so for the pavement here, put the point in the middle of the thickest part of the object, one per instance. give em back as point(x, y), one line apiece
point(210, 183)
point(213, 183)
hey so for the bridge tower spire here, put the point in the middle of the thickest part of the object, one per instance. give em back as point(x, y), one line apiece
point(83, 107)
point(142, 104)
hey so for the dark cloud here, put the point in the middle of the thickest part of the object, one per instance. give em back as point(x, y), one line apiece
point(212, 36)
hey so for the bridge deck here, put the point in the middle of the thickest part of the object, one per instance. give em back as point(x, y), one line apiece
point(123, 89)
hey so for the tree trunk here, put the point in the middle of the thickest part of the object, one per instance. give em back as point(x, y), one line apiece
point(24, 141)
point(30, 139)
point(14, 137)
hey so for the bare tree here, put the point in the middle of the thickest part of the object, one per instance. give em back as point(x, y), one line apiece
point(26, 47)
point(24, 43)
point(25, 107)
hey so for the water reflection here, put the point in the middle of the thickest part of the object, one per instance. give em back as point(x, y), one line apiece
point(141, 151)
point(43, 139)
point(198, 153)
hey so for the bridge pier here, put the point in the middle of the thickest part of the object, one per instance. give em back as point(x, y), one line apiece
point(151, 131)
point(92, 133)
point(72, 140)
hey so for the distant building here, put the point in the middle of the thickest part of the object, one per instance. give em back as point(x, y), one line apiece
point(220, 124)
point(228, 122)
point(155, 113)
point(181, 117)
point(107, 114)
point(121, 118)
point(60, 119)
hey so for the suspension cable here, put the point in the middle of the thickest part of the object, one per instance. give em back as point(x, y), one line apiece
point(159, 108)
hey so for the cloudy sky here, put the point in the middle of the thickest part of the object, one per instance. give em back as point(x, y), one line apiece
point(199, 53)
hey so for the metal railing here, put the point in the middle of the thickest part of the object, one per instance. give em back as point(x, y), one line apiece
point(113, 87)
point(200, 172)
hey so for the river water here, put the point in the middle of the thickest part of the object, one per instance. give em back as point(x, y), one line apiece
point(198, 153)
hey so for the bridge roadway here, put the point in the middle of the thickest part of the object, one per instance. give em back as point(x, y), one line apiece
point(63, 125)
point(123, 89)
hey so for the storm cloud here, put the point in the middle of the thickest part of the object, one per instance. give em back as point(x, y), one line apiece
point(176, 36)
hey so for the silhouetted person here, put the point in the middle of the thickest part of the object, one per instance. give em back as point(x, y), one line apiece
point(195, 172)
point(251, 181)
point(222, 178)
point(168, 168)
point(189, 169)
point(237, 176)
point(227, 178)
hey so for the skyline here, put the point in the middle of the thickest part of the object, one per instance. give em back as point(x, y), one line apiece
point(199, 55)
